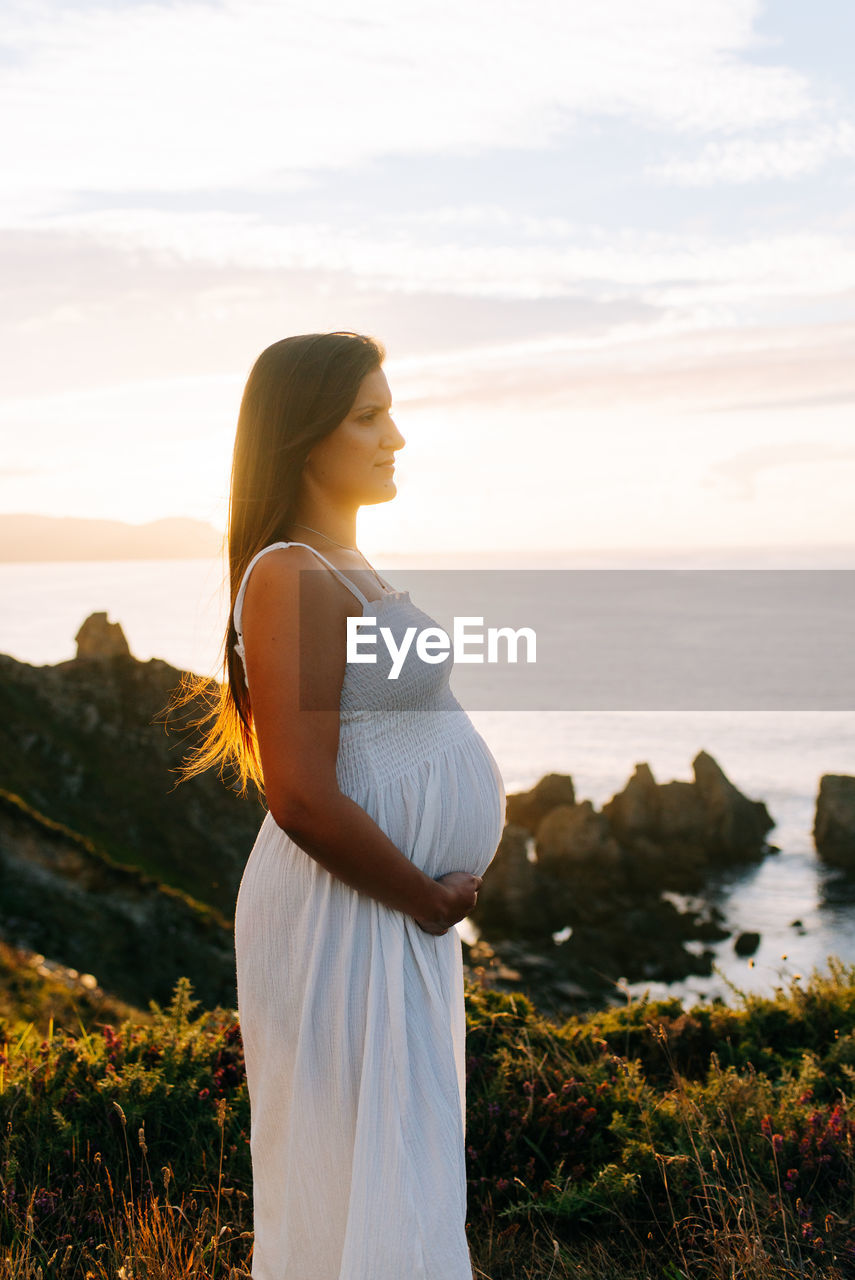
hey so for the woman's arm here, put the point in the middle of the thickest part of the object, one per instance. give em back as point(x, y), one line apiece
point(291, 662)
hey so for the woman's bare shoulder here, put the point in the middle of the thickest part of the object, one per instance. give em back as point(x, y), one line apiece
point(285, 564)
point(290, 576)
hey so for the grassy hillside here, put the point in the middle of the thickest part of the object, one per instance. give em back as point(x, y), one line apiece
point(639, 1142)
point(35, 990)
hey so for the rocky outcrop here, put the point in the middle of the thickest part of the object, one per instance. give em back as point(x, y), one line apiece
point(84, 742)
point(98, 638)
point(834, 822)
point(107, 865)
point(596, 879)
point(574, 839)
point(66, 899)
point(678, 831)
point(527, 808)
point(510, 887)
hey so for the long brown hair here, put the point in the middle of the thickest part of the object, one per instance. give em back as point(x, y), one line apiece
point(298, 391)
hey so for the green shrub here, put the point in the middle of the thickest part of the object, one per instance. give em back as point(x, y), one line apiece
point(645, 1141)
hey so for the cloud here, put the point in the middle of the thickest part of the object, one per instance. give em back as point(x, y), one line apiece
point(260, 95)
point(491, 256)
point(596, 319)
point(652, 369)
point(751, 159)
point(79, 312)
point(740, 473)
point(819, 399)
point(630, 367)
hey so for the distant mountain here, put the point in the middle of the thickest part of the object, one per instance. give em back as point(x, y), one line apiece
point(28, 537)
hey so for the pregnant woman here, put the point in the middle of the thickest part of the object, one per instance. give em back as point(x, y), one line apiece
point(385, 809)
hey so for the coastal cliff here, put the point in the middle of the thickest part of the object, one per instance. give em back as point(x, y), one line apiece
point(83, 743)
point(63, 897)
point(108, 867)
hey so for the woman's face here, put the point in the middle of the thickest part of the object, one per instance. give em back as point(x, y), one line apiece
point(348, 464)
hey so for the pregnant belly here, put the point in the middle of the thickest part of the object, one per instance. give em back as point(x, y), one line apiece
point(446, 812)
point(464, 812)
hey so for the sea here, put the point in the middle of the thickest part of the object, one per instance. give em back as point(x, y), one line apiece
point(804, 911)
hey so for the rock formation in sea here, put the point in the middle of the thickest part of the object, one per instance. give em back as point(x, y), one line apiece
point(609, 880)
point(834, 823)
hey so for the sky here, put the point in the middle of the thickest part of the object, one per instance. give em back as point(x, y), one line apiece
point(610, 250)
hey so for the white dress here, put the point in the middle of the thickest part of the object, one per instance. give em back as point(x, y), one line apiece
point(352, 1017)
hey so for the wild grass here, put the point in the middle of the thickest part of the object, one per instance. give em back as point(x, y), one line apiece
point(633, 1143)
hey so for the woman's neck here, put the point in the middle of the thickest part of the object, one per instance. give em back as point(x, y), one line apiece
point(337, 530)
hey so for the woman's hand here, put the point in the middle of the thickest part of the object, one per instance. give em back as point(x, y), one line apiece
point(460, 893)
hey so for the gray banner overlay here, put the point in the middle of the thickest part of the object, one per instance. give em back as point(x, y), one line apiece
point(633, 639)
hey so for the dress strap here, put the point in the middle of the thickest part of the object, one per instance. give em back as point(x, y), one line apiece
point(342, 577)
point(238, 609)
point(272, 547)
